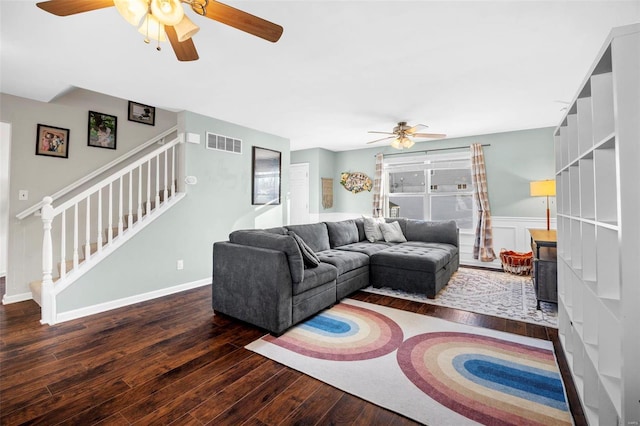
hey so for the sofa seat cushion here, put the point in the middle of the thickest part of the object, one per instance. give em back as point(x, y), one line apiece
point(366, 247)
point(343, 260)
point(315, 277)
point(444, 246)
point(411, 257)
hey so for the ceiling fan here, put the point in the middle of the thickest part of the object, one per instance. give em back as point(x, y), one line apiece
point(403, 133)
point(168, 17)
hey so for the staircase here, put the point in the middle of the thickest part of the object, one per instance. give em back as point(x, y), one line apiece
point(84, 228)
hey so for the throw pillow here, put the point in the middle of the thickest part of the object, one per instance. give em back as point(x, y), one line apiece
point(392, 232)
point(309, 258)
point(372, 228)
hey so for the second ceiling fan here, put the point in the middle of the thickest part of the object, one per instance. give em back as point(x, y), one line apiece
point(402, 135)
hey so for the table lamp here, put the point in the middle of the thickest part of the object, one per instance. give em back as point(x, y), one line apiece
point(543, 188)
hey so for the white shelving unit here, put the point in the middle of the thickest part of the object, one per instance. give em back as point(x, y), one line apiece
point(598, 182)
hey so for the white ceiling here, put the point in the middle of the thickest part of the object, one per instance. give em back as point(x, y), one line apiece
point(340, 69)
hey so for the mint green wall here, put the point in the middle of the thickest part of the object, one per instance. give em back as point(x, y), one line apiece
point(513, 160)
point(219, 203)
point(321, 165)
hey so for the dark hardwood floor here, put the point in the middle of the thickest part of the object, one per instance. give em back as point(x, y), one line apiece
point(171, 360)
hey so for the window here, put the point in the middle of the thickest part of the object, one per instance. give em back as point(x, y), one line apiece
point(431, 187)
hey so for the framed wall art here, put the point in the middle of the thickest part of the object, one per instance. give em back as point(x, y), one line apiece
point(140, 113)
point(102, 130)
point(52, 141)
point(266, 172)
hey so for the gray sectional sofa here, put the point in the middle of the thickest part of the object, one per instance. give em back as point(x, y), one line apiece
point(270, 279)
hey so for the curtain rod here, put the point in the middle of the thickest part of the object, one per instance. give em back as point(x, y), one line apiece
point(428, 150)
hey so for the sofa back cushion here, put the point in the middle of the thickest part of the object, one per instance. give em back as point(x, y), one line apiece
point(342, 233)
point(314, 234)
point(268, 240)
point(432, 231)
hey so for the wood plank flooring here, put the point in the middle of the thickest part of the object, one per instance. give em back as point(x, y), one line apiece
point(171, 361)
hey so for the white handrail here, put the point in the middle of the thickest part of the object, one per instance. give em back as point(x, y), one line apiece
point(29, 211)
point(114, 176)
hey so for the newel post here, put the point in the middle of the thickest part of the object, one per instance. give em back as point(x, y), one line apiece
point(48, 298)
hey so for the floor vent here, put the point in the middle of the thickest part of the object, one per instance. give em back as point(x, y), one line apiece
point(224, 143)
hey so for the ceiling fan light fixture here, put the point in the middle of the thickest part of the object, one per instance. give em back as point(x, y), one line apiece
point(407, 142)
point(132, 10)
point(185, 29)
point(168, 12)
point(396, 143)
point(151, 28)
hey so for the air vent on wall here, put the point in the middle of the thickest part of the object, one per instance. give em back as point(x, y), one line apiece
point(224, 143)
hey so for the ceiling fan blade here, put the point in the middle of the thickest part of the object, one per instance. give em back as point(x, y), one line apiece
point(243, 21)
point(383, 133)
point(186, 50)
point(71, 7)
point(415, 128)
point(429, 135)
point(380, 140)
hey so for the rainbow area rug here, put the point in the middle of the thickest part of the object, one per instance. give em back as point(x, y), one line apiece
point(433, 371)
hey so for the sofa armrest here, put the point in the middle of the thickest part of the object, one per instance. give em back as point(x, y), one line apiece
point(252, 284)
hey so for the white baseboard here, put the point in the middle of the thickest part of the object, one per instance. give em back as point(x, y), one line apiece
point(6, 300)
point(115, 304)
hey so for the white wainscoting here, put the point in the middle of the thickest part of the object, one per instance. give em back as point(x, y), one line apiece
point(508, 232)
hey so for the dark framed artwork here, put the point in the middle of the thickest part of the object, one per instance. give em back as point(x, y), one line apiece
point(52, 141)
point(266, 171)
point(140, 113)
point(102, 130)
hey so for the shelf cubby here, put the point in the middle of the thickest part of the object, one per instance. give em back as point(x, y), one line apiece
point(591, 385)
point(607, 261)
point(609, 357)
point(589, 259)
point(566, 192)
point(605, 172)
point(572, 136)
point(602, 105)
point(574, 176)
point(587, 187)
point(576, 246)
point(585, 123)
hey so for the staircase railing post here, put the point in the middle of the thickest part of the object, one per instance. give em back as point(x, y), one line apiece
point(48, 298)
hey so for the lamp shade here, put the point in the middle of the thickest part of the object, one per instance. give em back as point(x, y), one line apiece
point(543, 188)
point(132, 10)
point(168, 12)
point(185, 29)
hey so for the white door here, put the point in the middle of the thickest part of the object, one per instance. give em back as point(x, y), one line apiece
point(299, 190)
point(5, 143)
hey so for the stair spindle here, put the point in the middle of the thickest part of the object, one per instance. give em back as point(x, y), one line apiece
point(87, 246)
point(157, 180)
point(140, 192)
point(63, 244)
point(166, 192)
point(120, 210)
point(148, 187)
point(99, 228)
point(110, 212)
point(75, 236)
point(130, 221)
point(173, 170)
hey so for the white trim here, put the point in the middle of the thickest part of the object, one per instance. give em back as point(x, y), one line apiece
point(115, 304)
point(6, 300)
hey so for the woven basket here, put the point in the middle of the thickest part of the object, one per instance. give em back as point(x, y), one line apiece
point(515, 262)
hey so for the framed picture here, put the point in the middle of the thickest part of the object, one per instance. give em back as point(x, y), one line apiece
point(102, 130)
point(266, 171)
point(140, 113)
point(52, 141)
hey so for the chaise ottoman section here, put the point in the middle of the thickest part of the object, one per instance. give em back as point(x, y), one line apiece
point(421, 268)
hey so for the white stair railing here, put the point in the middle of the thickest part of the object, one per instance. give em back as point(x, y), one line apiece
point(119, 199)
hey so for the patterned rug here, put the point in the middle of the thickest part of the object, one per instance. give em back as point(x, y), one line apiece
point(493, 293)
point(431, 370)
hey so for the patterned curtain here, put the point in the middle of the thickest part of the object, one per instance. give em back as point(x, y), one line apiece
point(378, 188)
point(483, 244)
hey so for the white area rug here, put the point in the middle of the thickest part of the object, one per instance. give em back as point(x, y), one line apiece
point(493, 293)
point(431, 370)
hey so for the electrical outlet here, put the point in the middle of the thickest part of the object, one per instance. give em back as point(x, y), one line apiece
point(23, 195)
point(180, 265)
